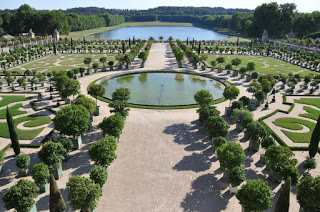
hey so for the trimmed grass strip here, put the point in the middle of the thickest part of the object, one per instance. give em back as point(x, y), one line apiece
point(6, 100)
point(311, 113)
point(14, 110)
point(309, 101)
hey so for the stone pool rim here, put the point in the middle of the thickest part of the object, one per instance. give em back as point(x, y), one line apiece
point(210, 76)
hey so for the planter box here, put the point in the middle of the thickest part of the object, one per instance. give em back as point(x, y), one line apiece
point(248, 78)
point(228, 111)
point(274, 176)
point(95, 70)
point(43, 187)
point(82, 74)
point(34, 208)
point(228, 72)
point(111, 68)
point(235, 73)
point(56, 172)
point(212, 68)
point(204, 67)
point(232, 189)
point(89, 72)
point(1, 168)
point(254, 146)
point(239, 126)
point(23, 172)
point(263, 158)
point(97, 112)
point(67, 101)
point(75, 77)
point(66, 156)
point(77, 142)
point(195, 66)
point(219, 70)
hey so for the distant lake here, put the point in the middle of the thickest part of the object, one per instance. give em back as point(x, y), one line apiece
point(177, 32)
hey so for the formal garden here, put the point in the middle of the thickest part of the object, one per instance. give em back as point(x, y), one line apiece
point(253, 142)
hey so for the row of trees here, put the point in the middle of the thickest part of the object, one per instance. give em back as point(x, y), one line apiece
point(45, 22)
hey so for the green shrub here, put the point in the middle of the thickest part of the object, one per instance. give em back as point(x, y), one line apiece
point(230, 155)
point(99, 175)
point(23, 161)
point(290, 171)
point(102, 152)
point(236, 176)
point(216, 126)
point(66, 143)
point(310, 164)
point(51, 153)
point(40, 173)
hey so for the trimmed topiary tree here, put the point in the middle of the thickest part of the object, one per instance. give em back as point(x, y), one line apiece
point(255, 195)
point(84, 193)
point(255, 132)
point(102, 152)
point(206, 111)
point(13, 134)
point(67, 145)
point(112, 125)
point(86, 102)
point(216, 126)
point(308, 194)
point(235, 177)
point(22, 162)
point(315, 138)
point(21, 196)
point(40, 174)
point(231, 92)
point(99, 175)
point(56, 203)
point(310, 163)
point(230, 155)
point(292, 172)
point(121, 94)
point(97, 90)
point(120, 107)
point(72, 120)
point(203, 98)
point(217, 142)
point(283, 201)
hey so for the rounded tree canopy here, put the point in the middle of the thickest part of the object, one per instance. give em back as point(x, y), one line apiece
point(51, 153)
point(86, 102)
point(203, 97)
point(99, 175)
point(72, 120)
point(255, 195)
point(278, 157)
point(102, 152)
point(40, 173)
point(112, 125)
point(97, 90)
point(83, 194)
point(216, 126)
point(21, 196)
point(236, 176)
point(23, 161)
point(121, 94)
point(231, 92)
point(308, 194)
point(230, 155)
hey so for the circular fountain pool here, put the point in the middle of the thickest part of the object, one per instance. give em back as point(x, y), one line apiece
point(162, 88)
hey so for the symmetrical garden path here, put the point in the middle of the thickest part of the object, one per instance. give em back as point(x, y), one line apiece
point(160, 57)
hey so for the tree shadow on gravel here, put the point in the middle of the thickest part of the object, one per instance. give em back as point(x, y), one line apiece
point(206, 195)
point(195, 162)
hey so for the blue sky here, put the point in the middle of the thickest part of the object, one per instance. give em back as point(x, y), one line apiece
point(302, 5)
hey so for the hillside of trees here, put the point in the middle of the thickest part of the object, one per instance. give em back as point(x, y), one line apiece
point(279, 20)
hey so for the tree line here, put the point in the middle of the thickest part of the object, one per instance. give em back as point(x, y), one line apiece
point(44, 23)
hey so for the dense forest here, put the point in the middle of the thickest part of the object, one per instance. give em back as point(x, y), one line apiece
point(279, 20)
point(45, 22)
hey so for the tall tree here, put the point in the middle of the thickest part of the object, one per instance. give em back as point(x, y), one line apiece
point(13, 134)
point(315, 138)
point(56, 203)
point(283, 202)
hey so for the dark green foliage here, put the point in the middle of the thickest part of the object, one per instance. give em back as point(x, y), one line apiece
point(290, 171)
point(86, 102)
point(13, 134)
point(310, 163)
point(23, 161)
point(112, 125)
point(267, 141)
point(278, 157)
point(121, 94)
point(255, 195)
point(206, 111)
point(102, 152)
point(203, 98)
point(72, 120)
point(245, 100)
point(21, 196)
point(97, 90)
point(66, 143)
point(283, 201)
point(40, 173)
point(83, 194)
point(99, 175)
point(231, 92)
point(51, 153)
point(218, 141)
point(315, 138)
point(236, 176)
point(255, 131)
point(308, 194)
point(216, 126)
point(56, 203)
point(230, 155)
point(121, 107)
point(236, 105)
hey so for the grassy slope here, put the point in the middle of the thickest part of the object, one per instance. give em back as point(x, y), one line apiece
point(6, 100)
point(293, 124)
point(14, 110)
point(33, 121)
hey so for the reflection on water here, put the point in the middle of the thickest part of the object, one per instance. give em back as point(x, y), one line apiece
point(179, 77)
point(126, 78)
point(163, 88)
point(143, 77)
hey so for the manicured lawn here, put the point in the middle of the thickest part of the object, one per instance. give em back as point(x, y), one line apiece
point(31, 121)
point(309, 101)
point(264, 65)
point(14, 110)
point(293, 124)
point(311, 113)
point(63, 62)
point(6, 100)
